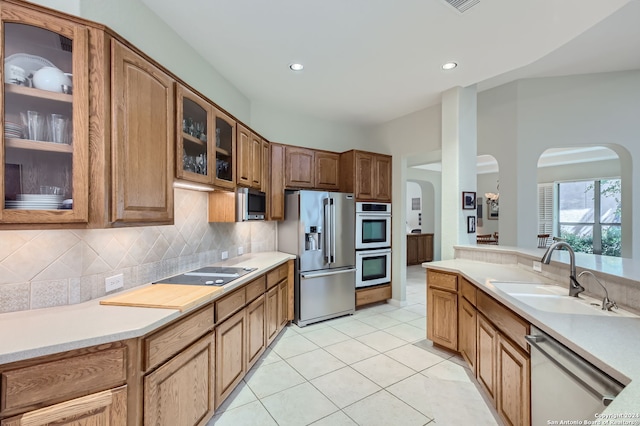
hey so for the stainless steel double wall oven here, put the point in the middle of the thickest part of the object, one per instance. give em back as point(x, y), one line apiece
point(373, 243)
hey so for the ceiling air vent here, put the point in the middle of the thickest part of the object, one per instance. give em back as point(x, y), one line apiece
point(462, 5)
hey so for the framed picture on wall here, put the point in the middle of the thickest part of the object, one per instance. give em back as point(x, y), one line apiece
point(471, 224)
point(468, 200)
point(493, 211)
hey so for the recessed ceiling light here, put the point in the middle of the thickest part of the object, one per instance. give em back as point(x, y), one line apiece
point(449, 65)
point(296, 67)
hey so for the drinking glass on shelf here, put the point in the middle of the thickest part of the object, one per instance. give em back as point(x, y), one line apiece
point(58, 131)
point(34, 124)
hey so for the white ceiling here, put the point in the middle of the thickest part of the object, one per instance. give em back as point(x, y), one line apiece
point(370, 61)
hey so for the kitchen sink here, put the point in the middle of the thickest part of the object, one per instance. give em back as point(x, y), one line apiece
point(553, 298)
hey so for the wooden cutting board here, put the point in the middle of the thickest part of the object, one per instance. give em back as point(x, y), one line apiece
point(168, 296)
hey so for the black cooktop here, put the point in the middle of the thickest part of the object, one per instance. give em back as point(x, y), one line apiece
point(210, 275)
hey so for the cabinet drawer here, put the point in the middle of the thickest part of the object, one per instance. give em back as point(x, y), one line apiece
point(230, 304)
point(165, 343)
point(276, 275)
point(442, 280)
point(504, 319)
point(63, 379)
point(255, 288)
point(468, 291)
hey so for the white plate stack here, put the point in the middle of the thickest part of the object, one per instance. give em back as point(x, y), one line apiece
point(34, 202)
point(12, 130)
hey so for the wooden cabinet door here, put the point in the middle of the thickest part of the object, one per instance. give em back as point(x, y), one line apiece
point(103, 408)
point(382, 178)
point(180, 392)
point(256, 161)
point(256, 330)
point(299, 165)
point(283, 304)
point(442, 324)
point(225, 164)
point(412, 250)
point(428, 242)
point(244, 154)
point(422, 250)
point(327, 170)
point(467, 325)
point(276, 181)
point(51, 165)
point(364, 187)
point(487, 342)
point(231, 355)
point(272, 314)
point(266, 163)
point(195, 137)
point(143, 130)
point(513, 396)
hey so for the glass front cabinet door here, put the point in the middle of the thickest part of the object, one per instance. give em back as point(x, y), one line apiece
point(225, 137)
point(44, 152)
point(195, 137)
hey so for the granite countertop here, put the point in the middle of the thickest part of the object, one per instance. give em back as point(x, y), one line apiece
point(38, 332)
point(608, 342)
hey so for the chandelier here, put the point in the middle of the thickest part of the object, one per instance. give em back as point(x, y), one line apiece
point(492, 198)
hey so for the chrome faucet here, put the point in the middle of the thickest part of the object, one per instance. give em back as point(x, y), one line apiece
point(574, 286)
point(607, 303)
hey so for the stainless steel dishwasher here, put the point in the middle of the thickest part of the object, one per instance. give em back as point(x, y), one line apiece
point(563, 385)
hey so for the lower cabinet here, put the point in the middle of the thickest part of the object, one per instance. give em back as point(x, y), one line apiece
point(487, 338)
point(514, 387)
point(490, 338)
point(272, 319)
point(103, 408)
point(185, 381)
point(467, 324)
point(231, 355)
point(283, 304)
point(442, 322)
point(256, 330)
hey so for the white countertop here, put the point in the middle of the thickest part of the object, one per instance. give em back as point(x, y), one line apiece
point(610, 343)
point(33, 333)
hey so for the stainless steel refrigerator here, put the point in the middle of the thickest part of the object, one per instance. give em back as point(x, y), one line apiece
point(319, 229)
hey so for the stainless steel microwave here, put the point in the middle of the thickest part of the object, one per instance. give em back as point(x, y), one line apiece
point(251, 204)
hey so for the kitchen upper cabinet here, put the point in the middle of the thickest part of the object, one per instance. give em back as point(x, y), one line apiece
point(225, 137)
point(44, 150)
point(195, 137)
point(103, 408)
point(143, 131)
point(249, 158)
point(369, 177)
point(181, 391)
point(276, 181)
point(299, 168)
point(327, 170)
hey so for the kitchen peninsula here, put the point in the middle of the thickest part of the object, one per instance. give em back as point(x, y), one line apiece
point(607, 341)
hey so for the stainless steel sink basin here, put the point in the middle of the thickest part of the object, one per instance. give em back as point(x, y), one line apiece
point(553, 298)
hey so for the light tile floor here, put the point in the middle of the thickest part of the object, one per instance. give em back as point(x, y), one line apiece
point(372, 368)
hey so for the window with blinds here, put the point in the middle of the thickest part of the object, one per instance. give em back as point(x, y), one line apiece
point(545, 208)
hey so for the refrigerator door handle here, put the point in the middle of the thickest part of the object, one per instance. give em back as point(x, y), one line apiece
point(333, 231)
point(327, 231)
point(326, 274)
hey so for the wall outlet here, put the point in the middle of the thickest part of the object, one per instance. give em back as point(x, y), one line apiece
point(224, 255)
point(240, 250)
point(537, 266)
point(113, 283)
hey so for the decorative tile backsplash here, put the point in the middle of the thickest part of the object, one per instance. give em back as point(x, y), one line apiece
point(44, 268)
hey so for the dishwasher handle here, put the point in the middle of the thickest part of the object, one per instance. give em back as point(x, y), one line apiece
point(581, 371)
